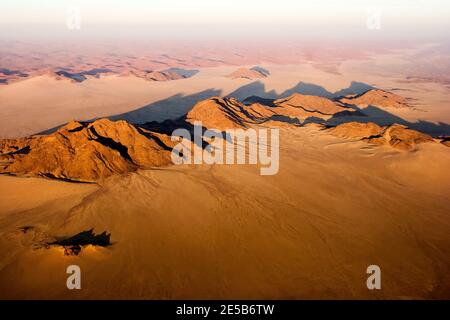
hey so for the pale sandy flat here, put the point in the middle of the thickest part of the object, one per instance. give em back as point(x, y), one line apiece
point(21, 194)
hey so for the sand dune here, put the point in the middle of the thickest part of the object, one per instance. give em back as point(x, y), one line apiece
point(250, 74)
point(165, 75)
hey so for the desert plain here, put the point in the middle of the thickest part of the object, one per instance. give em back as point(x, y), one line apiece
point(341, 201)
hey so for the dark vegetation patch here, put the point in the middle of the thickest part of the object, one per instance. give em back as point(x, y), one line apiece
point(74, 244)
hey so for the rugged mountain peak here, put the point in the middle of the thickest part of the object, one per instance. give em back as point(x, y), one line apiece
point(377, 98)
point(312, 104)
point(397, 136)
point(85, 151)
point(220, 113)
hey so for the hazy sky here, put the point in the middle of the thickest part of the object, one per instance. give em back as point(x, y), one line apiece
point(224, 11)
point(274, 17)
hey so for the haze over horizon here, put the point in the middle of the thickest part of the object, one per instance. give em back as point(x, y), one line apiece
point(209, 20)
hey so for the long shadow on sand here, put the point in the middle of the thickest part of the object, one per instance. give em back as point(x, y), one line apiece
point(167, 114)
point(179, 104)
point(169, 108)
point(172, 107)
point(257, 88)
point(384, 118)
